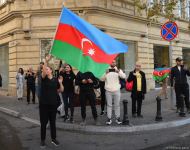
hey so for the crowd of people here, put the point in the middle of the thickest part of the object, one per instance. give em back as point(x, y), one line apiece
point(56, 92)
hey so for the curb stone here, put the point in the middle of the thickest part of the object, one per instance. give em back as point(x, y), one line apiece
point(102, 129)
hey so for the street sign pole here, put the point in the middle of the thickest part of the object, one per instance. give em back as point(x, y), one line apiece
point(169, 31)
point(171, 89)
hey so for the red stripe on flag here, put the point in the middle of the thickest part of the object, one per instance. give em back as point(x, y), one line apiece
point(161, 73)
point(72, 36)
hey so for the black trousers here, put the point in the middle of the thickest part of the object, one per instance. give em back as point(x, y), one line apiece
point(182, 89)
point(31, 88)
point(68, 99)
point(48, 113)
point(84, 96)
point(103, 95)
point(137, 98)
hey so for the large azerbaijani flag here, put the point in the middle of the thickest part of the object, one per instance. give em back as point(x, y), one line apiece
point(160, 74)
point(84, 46)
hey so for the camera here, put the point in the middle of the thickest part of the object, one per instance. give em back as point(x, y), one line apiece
point(111, 70)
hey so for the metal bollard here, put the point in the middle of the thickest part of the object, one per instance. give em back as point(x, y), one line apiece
point(182, 111)
point(125, 115)
point(158, 114)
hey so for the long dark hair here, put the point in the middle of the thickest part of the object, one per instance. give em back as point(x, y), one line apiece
point(70, 67)
point(21, 71)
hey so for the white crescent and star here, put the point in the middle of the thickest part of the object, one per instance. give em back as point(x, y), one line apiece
point(91, 51)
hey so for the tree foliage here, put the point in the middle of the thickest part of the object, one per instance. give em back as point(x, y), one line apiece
point(157, 9)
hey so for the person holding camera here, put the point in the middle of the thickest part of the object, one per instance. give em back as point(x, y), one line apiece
point(112, 87)
point(86, 82)
point(30, 82)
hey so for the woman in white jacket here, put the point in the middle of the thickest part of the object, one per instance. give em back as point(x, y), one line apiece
point(20, 83)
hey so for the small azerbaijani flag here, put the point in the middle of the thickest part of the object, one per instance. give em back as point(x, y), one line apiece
point(84, 46)
point(160, 74)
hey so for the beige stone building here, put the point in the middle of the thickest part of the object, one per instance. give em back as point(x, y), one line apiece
point(27, 28)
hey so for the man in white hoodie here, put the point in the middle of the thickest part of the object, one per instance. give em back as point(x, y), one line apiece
point(112, 87)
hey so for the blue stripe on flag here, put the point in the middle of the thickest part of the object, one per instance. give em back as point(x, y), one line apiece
point(108, 44)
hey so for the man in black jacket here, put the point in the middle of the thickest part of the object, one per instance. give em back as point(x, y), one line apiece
point(86, 82)
point(138, 90)
point(178, 74)
point(30, 81)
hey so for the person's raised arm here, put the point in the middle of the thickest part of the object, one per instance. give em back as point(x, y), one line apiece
point(61, 88)
point(48, 57)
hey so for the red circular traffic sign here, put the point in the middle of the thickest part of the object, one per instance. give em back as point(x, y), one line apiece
point(169, 31)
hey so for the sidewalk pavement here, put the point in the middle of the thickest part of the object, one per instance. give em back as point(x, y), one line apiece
point(21, 109)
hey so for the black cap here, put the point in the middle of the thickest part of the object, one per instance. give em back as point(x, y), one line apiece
point(178, 59)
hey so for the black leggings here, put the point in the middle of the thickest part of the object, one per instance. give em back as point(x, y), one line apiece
point(48, 113)
point(68, 99)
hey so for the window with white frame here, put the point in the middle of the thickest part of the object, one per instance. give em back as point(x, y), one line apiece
point(150, 3)
point(180, 7)
point(2, 2)
point(163, 3)
point(187, 10)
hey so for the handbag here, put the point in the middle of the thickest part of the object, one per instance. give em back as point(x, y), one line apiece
point(129, 86)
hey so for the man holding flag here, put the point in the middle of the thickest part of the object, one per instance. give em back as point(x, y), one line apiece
point(161, 75)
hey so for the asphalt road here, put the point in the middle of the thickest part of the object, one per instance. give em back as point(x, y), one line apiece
point(17, 134)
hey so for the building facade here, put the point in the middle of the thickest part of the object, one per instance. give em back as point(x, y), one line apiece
point(27, 28)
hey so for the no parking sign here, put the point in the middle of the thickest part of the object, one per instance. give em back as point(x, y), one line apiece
point(169, 31)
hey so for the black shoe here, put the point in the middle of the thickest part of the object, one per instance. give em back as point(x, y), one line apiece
point(140, 116)
point(33, 102)
point(62, 116)
point(109, 122)
point(42, 144)
point(66, 118)
point(102, 113)
point(55, 142)
point(71, 120)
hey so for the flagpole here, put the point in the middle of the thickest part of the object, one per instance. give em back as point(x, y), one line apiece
point(57, 26)
point(171, 88)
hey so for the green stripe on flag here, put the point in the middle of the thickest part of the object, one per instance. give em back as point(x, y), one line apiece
point(75, 58)
point(160, 78)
